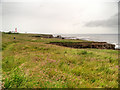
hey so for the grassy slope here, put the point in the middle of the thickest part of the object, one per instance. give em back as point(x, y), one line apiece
point(30, 62)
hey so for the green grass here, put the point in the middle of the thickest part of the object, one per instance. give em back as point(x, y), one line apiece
point(30, 62)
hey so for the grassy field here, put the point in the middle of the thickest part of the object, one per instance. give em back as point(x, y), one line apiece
point(30, 62)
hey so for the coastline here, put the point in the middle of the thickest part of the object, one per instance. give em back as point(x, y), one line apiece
point(88, 38)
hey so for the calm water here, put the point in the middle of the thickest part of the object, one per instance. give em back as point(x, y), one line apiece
point(109, 38)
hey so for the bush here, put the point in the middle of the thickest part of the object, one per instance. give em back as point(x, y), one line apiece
point(10, 32)
point(84, 52)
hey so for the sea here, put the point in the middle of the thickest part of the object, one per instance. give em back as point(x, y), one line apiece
point(109, 38)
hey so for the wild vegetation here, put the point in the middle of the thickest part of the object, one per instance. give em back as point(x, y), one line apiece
point(30, 62)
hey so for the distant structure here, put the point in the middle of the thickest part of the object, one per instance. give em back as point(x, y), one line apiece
point(44, 36)
point(58, 36)
point(15, 30)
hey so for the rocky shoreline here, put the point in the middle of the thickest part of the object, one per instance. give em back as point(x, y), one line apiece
point(87, 44)
point(97, 45)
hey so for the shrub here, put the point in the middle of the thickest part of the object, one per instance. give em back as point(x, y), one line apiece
point(84, 52)
point(10, 32)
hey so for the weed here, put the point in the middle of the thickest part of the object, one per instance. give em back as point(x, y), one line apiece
point(93, 80)
point(84, 52)
point(110, 59)
point(16, 79)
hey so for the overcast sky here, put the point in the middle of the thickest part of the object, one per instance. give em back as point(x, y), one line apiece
point(60, 16)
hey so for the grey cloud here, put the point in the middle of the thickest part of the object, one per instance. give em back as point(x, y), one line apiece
point(110, 22)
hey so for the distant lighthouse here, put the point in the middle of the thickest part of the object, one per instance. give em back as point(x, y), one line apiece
point(15, 30)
